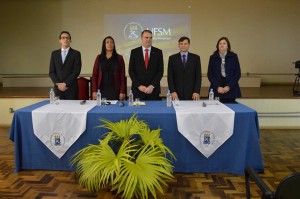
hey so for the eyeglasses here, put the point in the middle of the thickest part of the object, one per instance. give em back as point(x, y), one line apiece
point(64, 37)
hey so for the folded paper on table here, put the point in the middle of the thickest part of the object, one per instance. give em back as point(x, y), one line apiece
point(113, 101)
point(139, 103)
point(206, 127)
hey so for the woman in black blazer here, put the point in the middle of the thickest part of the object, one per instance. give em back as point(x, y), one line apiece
point(224, 72)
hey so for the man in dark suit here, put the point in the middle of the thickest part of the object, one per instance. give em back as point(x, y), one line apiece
point(65, 67)
point(184, 73)
point(146, 68)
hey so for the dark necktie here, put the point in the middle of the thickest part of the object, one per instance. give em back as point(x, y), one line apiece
point(183, 59)
point(146, 57)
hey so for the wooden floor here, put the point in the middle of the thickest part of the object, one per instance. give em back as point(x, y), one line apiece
point(281, 156)
point(265, 91)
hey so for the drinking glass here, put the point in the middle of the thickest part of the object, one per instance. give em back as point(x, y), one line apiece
point(217, 100)
point(177, 102)
point(103, 101)
point(137, 101)
point(57, 100)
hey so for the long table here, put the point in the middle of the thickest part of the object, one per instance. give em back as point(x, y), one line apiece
point(241, 150)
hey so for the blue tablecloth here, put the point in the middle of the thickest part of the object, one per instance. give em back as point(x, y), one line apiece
point(241, 150)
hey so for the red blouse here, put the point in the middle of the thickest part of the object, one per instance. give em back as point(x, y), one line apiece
point(119, 76)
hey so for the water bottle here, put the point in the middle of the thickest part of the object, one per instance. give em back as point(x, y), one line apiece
point(52, 96)
point(130, 98)
point(98, 98)
point(169, 99)
point(211, 94)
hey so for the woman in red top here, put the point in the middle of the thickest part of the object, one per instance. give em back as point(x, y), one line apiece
point(109, 72)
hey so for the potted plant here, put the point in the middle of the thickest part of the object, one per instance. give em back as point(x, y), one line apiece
point(131, 159)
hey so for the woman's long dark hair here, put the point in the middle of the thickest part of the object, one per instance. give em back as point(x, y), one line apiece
point(228, 44)
point(103, 51)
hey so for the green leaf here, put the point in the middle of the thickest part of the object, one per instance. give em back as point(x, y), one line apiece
point(131, 159)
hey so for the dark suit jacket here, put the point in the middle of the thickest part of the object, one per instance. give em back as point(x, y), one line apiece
point(184, 80)
point(119, 76)
point(67, 72)
point(141, 76)
point(233, 74)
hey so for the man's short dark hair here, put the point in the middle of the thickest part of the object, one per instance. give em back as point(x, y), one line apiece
point(62, 32)
point(181, 39)
point(148, 31)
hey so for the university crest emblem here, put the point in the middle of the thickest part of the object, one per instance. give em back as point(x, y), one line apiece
point(57, 139)
point(132, 31)
point(207, 138)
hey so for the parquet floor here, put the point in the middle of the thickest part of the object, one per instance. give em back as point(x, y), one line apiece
point(281, 155)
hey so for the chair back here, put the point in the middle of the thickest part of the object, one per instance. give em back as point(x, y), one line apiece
point(83, 88)
point(289, 187)
point(297, 64)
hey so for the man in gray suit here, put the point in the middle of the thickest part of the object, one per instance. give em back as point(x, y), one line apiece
point(146, 68)
point(184, 73)
point(65, 67)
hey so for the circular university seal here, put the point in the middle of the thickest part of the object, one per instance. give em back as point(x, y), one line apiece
point(132, 31)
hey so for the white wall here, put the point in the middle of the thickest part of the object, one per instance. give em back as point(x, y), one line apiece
point(265, 34)
point(279, 106)
point(14, 103)
point(276, 113)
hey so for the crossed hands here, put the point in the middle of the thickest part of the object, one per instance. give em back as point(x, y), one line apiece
point(223, 90)
point(148, 90)
point(62, 86)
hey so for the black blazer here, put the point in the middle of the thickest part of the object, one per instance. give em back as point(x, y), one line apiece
point(67, 72)
point(233, 74)
point(184, 80)
point(141, 76)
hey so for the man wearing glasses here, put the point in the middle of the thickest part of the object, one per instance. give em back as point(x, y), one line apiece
point(65, 67)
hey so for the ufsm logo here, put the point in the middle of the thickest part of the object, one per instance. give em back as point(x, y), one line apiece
point(161, 31)
point(132, 31)
point(161, 34)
